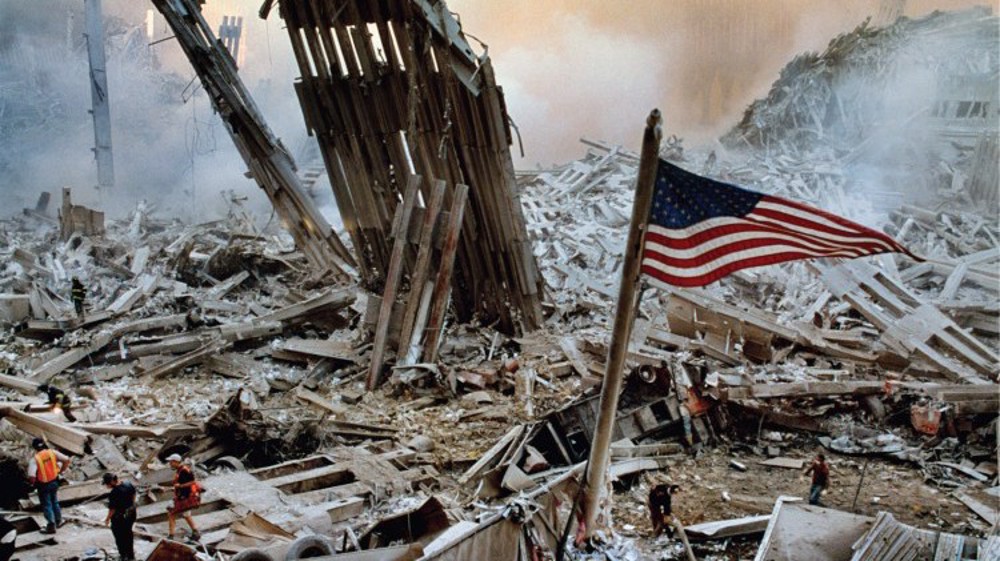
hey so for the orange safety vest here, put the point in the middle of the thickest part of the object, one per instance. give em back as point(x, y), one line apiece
point(47, 466)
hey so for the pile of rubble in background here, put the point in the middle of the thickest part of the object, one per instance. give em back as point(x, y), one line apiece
point(218, 341)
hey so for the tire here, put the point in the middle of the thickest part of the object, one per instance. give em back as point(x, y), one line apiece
point(252, 554)
point(309, 546)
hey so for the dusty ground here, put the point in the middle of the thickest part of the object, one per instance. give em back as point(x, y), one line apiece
point(892, 487)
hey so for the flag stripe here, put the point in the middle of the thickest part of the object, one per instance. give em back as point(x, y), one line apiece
point(735, 242)
point(733, 228)
point(807, 226)
point(700, 230)
point(836, 222)
point(723, 270)
point(698, 267)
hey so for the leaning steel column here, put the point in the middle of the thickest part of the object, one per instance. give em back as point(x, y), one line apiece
point(600, 447)
point(100, 105)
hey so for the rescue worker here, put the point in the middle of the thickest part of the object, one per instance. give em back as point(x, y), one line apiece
point(43, 473)
point(661, 506)
point(820, 478)
point(187, 496)
point(8, 539)
point(58, 399)
point(121, 514)
point(78, 293)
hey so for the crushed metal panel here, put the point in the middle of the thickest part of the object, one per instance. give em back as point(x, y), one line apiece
point(801, 532)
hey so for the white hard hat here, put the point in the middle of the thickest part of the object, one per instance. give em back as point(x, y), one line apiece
point(175, 458)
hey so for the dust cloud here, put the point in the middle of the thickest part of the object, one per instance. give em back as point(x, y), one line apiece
point(570, 68)
point(573, 68)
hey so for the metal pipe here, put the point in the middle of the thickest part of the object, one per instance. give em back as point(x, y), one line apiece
point(600, 447)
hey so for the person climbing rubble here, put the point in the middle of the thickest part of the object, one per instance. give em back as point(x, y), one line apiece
point(820, 478)
point(187, 496)
point(660, 505)
point(58, 400)
point(78, 293)
point(43, 474)
point(121, 514)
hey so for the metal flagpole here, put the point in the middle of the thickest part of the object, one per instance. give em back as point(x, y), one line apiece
point(597, 464)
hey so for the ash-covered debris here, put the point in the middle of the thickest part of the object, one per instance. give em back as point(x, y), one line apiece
point(223, 343)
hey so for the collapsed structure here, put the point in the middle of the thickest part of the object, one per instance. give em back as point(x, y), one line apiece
point(473, 448)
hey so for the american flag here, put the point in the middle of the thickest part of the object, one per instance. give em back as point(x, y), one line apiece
point(701, 230)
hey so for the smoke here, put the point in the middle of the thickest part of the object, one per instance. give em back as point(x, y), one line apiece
point(569, 68)
point(573, 68)
point(170, 148)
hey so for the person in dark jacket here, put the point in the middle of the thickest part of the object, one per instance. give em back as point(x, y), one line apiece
point(78, 293)
point(58, 399)
point(660, 504)
point(121, 514)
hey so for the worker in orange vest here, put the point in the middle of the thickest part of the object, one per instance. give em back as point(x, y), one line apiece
point(43, 473)
point(187, 496)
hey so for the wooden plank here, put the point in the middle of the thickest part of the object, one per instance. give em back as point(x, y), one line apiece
point(22, 385)
point(787, 463)
point(192, 358)
point(392, 277)
point(954, 282)
point(315, 399)
point(162, 431)
point(816, 389)
point(339, 350)
point(984, 510)
point(442, 286)
point(331, 300)
point(62, 436)
point(220, 290)
point(490, 455)
point(51, 368)
point(728, 528)
point(421, 269)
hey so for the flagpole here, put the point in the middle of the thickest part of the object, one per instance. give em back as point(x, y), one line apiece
point(597, 464)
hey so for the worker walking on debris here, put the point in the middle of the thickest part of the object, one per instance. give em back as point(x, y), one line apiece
point(121, 514)
point(820, 478)
point(79, 294)
point(661, 506)
point(43, 473)
point(187, 496)
point(58, 400)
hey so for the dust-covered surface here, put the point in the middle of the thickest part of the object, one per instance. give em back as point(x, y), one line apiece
point(224, 344)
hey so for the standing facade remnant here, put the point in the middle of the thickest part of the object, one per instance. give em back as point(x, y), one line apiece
point(269, 162)
point(100, 104)
point(392, 88)
point(231, 33)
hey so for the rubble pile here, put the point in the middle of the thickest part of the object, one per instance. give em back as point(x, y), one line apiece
point(251, 350)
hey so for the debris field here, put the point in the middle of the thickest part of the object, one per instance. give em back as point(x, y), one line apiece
point(422, 383)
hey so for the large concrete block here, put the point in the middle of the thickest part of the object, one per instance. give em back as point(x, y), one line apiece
point(14, 308)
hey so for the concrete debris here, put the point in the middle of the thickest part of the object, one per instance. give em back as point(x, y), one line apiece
point(429, 389)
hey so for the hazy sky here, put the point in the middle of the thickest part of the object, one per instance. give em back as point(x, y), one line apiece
point(595, 68)
point(569, 68)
